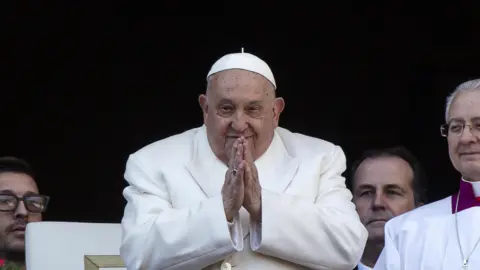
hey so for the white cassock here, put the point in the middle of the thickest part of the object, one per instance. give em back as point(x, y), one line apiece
point(426, 238)
point(174, 218)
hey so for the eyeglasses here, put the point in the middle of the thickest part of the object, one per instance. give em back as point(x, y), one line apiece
point(33, 203)
point(457, 129)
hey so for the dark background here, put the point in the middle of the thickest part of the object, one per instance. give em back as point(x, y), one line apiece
point(83, 91)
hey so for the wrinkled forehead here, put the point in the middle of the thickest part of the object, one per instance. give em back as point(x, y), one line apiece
point(18, 183)
point(235, 82)
point(465, 106)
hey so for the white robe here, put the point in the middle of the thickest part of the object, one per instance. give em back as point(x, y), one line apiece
point(174, 218)
point(426, 239)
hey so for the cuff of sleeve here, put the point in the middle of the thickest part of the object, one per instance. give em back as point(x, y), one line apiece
point(255, 235)
point(236, 233)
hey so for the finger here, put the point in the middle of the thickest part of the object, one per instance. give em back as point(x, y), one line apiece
point(238, 156)
point(240, 172)
point(233, 153)
point(247, 153)
point(247, 171)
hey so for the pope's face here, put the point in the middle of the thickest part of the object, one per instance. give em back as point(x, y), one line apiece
point(240, 103)
point(464, 148)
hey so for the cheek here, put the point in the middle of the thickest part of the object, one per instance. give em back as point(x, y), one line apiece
point(401, 207)
point(218, 124)
point(452, 152)
point(362, 208)
point(34, 218)
point(5, 220)
point(262, 126)
point(452, 145)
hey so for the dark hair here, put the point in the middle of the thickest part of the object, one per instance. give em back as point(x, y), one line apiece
point(16, 165)
point(419, 180)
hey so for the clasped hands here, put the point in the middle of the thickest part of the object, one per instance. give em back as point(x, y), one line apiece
point(241, 186)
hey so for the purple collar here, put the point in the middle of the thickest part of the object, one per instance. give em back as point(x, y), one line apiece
point(467, 197)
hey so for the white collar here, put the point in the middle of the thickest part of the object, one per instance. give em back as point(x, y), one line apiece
point(362, 266)
point(475, 186)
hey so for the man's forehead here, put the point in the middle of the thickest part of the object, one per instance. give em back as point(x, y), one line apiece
point(238, 78)
point(385, 170)
point(17, 182)
point(465, 106)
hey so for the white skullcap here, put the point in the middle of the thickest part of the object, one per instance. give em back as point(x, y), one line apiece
point(244, 61)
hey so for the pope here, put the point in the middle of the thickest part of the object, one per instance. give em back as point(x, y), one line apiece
point(239, 192)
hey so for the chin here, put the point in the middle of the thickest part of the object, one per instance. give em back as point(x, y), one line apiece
point(470, 171)
point(16, 247)
point(375, 231)
point(376, 237)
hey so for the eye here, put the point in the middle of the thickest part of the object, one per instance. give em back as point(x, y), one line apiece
point(393, 192)
point(366, 193)
point(37, 203)
point(225, 110)
point(455, 128)
point(254, 111)
point(7, 200)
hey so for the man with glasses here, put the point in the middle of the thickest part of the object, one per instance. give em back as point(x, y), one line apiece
point(445, 234)
point(20, 203)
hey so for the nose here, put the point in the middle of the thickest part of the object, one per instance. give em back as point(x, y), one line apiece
point(467, 135)
point(239, 123)
point(379, 201)
point(21, 210)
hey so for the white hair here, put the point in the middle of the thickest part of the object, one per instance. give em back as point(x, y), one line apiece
point(466, 86)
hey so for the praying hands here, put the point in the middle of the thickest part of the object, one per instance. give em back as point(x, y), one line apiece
point(241, 186)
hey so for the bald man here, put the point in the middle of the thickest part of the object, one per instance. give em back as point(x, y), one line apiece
point(240, 192)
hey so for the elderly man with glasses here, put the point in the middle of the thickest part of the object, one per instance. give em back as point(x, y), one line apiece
point(444, 234)
point(20, 203)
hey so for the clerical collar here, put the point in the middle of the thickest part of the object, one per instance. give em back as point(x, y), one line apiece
point(469, 195)
point(475, 186)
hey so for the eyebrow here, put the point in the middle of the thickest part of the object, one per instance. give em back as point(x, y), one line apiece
point(31, 193)
point(224, 100)
point(6, 191)
point(458, 119)
point(255, 102)
point(389, 186)
point(365, 186)
point(250, 103)
point(10, 192)
point(394, 186)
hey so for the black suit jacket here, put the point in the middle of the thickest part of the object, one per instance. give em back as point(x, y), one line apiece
point(356, 268)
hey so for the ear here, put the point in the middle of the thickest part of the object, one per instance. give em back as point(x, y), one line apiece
point(278, 106)
point(202, 100)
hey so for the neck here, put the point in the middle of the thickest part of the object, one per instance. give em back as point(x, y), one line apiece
point(17, 258)
point(371, 253)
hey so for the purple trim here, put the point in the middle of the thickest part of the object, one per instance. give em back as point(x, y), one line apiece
point(467, 197)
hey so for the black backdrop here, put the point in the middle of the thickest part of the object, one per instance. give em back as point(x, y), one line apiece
point(83, 91)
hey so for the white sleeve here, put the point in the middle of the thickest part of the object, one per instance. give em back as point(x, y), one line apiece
point(158, 236)
point(325, 234)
